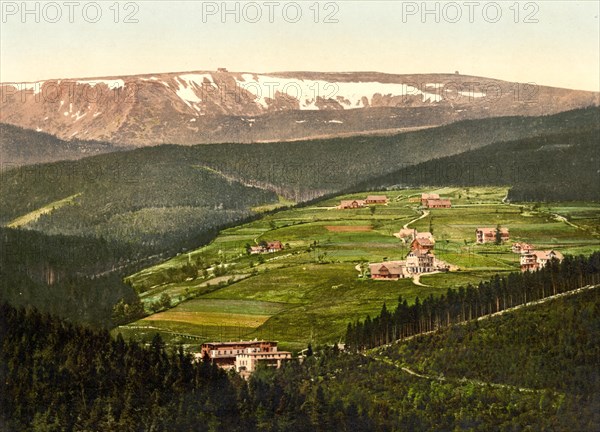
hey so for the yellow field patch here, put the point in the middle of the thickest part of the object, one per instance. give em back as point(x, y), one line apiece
point(34, 215)
point(349, 228)
point(210, 318)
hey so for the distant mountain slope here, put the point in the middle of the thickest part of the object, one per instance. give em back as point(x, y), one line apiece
point(171, 197)
point(20, 146)
point(209, 107)
point(167, 198)
point(304, 170)
point(550, 167)
point(154, 200)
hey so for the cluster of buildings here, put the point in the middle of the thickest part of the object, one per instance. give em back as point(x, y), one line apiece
point(420, 259)
point(268, 247)
point(488, 235)
point(533, 260)
point(432, 200)
point(244, 356)
point(359, 203)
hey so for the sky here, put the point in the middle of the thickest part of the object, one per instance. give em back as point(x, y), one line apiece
point(554, 43)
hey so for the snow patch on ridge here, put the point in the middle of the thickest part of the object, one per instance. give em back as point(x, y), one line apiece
point(471, 94)
point(189, 85)
point(79, 116)
point(348, 94)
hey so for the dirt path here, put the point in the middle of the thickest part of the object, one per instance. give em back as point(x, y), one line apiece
point(416, 279)
point(564, 219)
point(452, 380)
point(278, 257)
point(495, 314)
point(373, 354)
point(556, 216)
point(425, 214)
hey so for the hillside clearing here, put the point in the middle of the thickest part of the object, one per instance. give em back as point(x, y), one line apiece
point(47, 209)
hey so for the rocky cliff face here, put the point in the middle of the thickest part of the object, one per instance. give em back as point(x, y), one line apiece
point(209, 107)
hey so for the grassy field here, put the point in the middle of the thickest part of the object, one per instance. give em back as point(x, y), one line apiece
point(311, 290)
point(34, 215)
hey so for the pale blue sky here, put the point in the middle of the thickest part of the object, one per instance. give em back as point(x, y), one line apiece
point(562, 49)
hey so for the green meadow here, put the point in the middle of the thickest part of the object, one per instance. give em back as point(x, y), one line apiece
point(308, 292)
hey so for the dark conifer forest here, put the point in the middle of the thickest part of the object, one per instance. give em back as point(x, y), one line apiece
point(469, 303)
point(58, 376)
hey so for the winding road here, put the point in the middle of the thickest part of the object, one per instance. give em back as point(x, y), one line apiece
point(373, 354)
point(424, 215)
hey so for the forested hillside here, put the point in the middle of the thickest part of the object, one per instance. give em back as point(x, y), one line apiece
point(57, 376)
point(76, 278)
point(553, 346)
point(20, 146)
point(305, 169)
point(168, 198)
point(156, 200)
point(537, 169)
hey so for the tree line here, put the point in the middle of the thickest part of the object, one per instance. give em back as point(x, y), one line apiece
point(468, 303)
point(60, 376)
point(534, 167)
point(56, 375)
point(554, 345)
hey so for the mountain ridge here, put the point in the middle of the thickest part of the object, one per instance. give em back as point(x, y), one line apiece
point(199, 107)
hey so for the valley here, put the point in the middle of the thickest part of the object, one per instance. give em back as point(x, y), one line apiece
point(311, 290)
point(149, 205)
point(300, 217)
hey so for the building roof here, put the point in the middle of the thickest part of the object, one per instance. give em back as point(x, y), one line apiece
point(421, 253)
point(274, 245)
point(394, 267)
point(521, 245)
point(405, 232)
point(438, 202)
point(244, 343)
point(377, 198)
point(425, 234)
point(430, 196)
point(547, 254)
point(423, 241)
point(349, 202)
